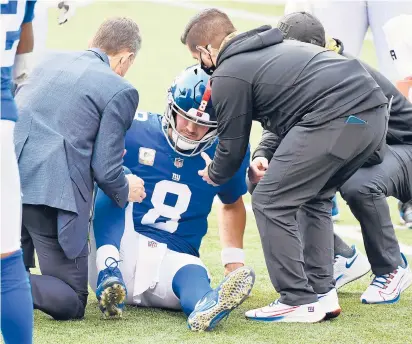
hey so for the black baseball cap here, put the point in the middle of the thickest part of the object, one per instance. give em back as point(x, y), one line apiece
point(304, 27)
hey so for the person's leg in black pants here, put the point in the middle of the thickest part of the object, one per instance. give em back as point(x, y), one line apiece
point(61, 290)
point(366, 192)
point(315, 225)
point(28, 249)
point(307, 168)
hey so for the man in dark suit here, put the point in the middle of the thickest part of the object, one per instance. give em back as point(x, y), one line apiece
point(74, 112)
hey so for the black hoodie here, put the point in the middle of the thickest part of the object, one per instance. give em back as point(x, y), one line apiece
point(260, 77)
point(400, 120)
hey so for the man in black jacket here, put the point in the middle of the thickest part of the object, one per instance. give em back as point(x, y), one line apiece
point(330, 115)
point(366, 191)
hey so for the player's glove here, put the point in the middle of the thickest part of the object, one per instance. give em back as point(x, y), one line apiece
point(67, 9)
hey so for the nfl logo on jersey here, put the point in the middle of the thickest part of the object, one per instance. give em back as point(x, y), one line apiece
point(178, 162)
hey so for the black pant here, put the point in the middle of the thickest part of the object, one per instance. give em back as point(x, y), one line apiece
point(365, 193)
point(61, 290)
point(309, 165)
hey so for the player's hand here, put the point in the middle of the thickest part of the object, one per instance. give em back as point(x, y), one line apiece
point(136, 188)
point(232, 267)
point(205, 173)
point(257, 169)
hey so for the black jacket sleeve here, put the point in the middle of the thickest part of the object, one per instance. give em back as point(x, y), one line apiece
point(232, 100)
point(267, 145)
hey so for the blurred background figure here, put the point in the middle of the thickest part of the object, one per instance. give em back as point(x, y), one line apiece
point(16, 43)
point(350, 20)
point(66, 10)
point(398, 32)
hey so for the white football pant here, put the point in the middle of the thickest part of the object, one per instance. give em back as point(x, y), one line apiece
point(10, 191)
point(350, 20)
point(147, 267)
point(398, 33)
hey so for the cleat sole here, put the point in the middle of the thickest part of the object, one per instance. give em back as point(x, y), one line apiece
point(110, 298)
point(231, 294)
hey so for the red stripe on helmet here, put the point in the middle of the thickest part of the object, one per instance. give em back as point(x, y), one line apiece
point(205, 99)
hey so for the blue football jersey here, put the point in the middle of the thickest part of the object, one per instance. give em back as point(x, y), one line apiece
point(12, 15)
point(177, 201)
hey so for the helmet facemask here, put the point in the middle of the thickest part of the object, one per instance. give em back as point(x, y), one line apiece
point(181, 144)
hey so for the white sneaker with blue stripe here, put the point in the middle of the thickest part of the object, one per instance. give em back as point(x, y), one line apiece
point(388, 288)
point(348, 269)
point(330, 303)
point(279, 312)
point(218, 303)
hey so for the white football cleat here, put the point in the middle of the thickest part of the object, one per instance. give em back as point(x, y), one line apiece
point(330, 303)
point(388, 288)
point(279, 312)
point(346, 270)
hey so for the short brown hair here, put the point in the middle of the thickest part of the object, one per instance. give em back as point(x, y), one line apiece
point(209, 26)
point(118, 34)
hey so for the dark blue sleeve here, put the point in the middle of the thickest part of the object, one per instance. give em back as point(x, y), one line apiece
point(29, 15)
point(236, 186)
point(107, 159)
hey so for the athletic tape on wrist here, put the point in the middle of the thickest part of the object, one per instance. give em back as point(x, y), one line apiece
point(232, 255)
point(22, 67)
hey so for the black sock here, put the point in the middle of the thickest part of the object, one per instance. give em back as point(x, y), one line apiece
point(342, 248)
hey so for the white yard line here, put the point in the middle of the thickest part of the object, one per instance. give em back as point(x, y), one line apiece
point(241, 14)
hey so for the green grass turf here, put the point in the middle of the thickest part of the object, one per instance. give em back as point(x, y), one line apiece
point(161, 59)
point(275, 10)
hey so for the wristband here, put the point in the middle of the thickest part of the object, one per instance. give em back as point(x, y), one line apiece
point(22, 67)
point(232, 255)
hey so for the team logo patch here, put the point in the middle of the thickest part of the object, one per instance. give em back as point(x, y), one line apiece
point(146, 156)
point(178, 162)
point(152, 244)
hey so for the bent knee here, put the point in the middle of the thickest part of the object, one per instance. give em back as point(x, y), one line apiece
point(71, 310)
point(354, 191)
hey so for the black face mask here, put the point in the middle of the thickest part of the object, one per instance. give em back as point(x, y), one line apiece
point(206, 69)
